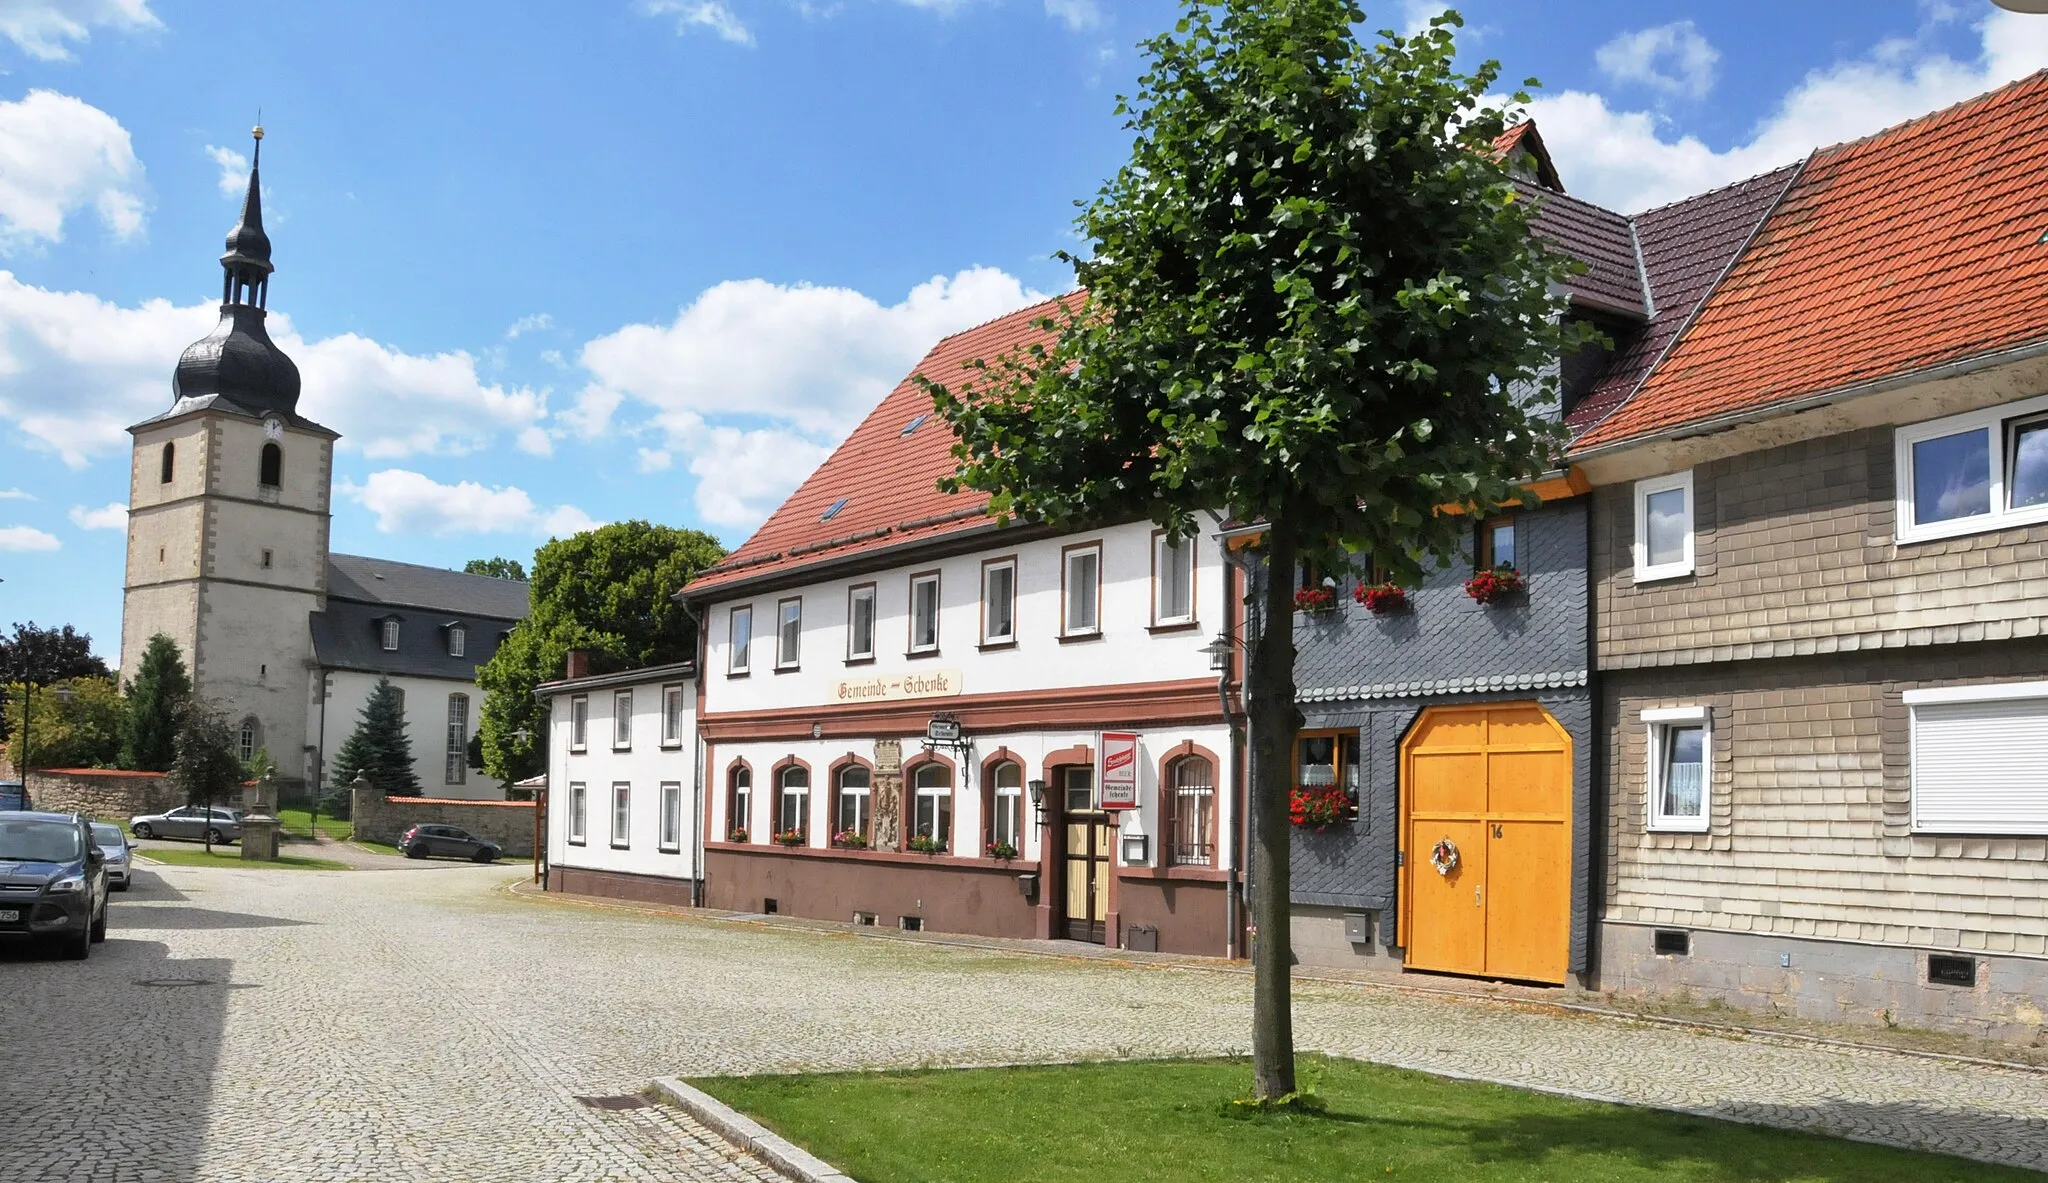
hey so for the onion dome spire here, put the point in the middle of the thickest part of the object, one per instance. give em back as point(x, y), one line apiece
point(237, 360)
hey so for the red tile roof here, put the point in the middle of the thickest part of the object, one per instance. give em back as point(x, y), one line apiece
point(1523, 136)
point(1920, 245)
point(889, 479)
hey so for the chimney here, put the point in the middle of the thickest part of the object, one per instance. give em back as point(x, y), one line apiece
point(579, 664)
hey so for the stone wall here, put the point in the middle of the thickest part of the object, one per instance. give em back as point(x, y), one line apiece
point(507, 823)
point(103, 792)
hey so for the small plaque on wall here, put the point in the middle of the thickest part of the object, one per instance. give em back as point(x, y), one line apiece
point(888, 755)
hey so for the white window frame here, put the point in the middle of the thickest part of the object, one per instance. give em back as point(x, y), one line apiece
point(1645, 571)
point(622, 815)
point(672, 715)
point(1007, 802)
point(579, 723)
point(390, 637)
point(1942, 695)
point(455, 768)
point(739, 640)
point(865, 794)
point(856, 596)
point(579, 813)
point(1996, 420)
point(988, 570)
point(1162, 547)
point(1067, 599)
point(622, 720)
point(740, 816)
point(918, 580)
point(789, 633)
point(1656, 722)
point(458, 640)
point(671, 836)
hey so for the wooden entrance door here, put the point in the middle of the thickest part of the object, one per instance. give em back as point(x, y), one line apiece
point(1089, 834)
point(1496, 783)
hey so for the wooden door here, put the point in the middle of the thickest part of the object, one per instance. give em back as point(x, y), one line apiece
point(1495, 783)
point(1089, 832)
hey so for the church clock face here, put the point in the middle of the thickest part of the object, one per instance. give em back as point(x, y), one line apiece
point(273, 429)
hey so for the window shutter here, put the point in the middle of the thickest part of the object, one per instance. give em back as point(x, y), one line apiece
point(1981, 767)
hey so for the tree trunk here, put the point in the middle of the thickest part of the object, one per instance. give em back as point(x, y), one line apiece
point(1273, 719)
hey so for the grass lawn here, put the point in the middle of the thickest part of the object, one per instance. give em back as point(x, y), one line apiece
point(1138, 1122)
point(231, 856)
point(300, 822)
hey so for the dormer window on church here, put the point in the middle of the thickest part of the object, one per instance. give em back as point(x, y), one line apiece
point(458, 640)
point(391, 636)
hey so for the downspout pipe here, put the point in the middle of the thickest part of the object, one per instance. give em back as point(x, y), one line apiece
point(697, 805)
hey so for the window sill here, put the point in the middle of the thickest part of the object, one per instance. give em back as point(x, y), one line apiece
point(1174, 626)
point(616, 846)
point(1020, 864)
point(998, 646)
point(1194, 874)
point(868, 659)
point(788, 669)
point(1676, 828)
point(578, 841)
point(920, 654)
point(1079, 638)
point(738, 673)
point(576, 751)
point(1645, 575)
point(671, 745)
point(622, 747)
point(671, 850)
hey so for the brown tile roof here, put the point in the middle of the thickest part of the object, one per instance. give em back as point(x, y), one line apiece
point(889, 480)
point(1597, 237)
point(1920, 245)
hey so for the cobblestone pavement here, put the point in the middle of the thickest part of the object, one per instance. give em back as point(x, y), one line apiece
point(398, 1025)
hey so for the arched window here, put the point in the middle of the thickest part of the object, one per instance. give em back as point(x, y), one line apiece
point(273, 466)
point(932, 811)
point(793, 803)
point(1006, 808)
point(248, 738)
point(850, 816)
point(1192, 797)
point(168, 465)
point(739, 805)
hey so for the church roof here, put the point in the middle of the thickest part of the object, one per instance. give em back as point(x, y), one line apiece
point(363, 592)
point(387, 584)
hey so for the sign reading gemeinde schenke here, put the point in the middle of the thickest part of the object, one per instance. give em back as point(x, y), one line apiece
point(897, 687)
point(1119, 770)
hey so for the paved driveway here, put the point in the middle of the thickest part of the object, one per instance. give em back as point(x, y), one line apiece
point(420, 1024)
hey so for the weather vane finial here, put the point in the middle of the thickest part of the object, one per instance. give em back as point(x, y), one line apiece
point(257, 133)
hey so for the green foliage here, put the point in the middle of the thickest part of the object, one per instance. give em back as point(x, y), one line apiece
point(1310, 294)
point(378, 748)
point(205, 766)
point(46, 656)
point(258, 764)
point(610, 590)
point(155, 699)
point(496, 568)
point(73, 724)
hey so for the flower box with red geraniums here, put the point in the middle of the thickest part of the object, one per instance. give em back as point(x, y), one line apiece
point(739, 835)
point(1314, 599)
point(1001, 850)
point(1492, 586)
point(850, 840)
point(1382, 599)
point(1318, 807)
point(926, 844)
point(790, 837)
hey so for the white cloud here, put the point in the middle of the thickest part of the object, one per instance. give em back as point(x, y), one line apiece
point(1078, 15)
point(77, 370)
point(656, 459)
point(407, 502)
point(234, 170)
point(43, 28)
point(111, 516)
point(1630, 160)
point(743, 475)
point(530, 324)
point(16, 495)
point(702, 14)
point(27, 538)
point(59, 155)
point(1673, 58)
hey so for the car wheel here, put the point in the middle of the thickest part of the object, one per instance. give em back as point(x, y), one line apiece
point(79, 947)
point(121, 886)
point(483, 855)
point(142, 830)
point(417, 850)
point(213, 836)
point(98, 931)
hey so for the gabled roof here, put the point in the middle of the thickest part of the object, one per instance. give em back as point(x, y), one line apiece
point(888, 479)
point(1523, 141)
point(407, 585)
point(1923, 244)
point(1599, 238)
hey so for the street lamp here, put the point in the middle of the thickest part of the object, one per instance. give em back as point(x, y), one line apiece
point(1037, 788)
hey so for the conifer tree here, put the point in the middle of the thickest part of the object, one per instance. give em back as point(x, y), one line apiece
point(156, 698)
point(379, 748)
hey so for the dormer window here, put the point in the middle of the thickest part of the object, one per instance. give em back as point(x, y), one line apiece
point(458, 640)
point(390, 633)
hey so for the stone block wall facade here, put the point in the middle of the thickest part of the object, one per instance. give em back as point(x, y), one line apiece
point(103, 793)
point(385, 819)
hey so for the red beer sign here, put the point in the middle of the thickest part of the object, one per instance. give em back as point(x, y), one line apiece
point(1119, 770)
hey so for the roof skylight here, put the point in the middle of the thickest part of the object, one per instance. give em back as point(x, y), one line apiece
point(916, 423)
point(833, 510)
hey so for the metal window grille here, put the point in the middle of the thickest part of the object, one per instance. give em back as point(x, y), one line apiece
point(1194, 812)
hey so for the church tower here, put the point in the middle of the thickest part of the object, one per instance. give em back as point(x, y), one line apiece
point(228, 515)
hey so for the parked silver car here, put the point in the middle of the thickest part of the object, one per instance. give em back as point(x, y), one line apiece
point(115, 845)
point(190, 821)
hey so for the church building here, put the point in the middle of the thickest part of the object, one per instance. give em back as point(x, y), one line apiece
point(229, 504)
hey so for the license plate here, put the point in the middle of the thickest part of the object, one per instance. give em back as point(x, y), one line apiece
point(9, 916)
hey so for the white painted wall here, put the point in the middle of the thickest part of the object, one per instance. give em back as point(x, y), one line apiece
point(645, 765)
point(1125, 653)
point(426, 727)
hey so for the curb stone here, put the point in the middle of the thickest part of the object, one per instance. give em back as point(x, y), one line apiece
point(750, 1135)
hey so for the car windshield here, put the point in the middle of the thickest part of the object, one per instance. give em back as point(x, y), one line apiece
point(38, 841)
point(107, 835)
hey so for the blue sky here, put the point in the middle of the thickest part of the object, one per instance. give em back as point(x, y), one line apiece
point(547, 265)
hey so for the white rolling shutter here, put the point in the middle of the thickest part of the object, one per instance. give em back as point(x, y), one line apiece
point(1981, 767)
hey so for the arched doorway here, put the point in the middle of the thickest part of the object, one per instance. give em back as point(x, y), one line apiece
point(1493, 784)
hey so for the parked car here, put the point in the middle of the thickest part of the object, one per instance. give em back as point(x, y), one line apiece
point(53, 881)
point(13, 796)
point(452, 841)
point(115, 845)
point(190, 821)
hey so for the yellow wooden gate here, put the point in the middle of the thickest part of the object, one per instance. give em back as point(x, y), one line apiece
point(1493, 785)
